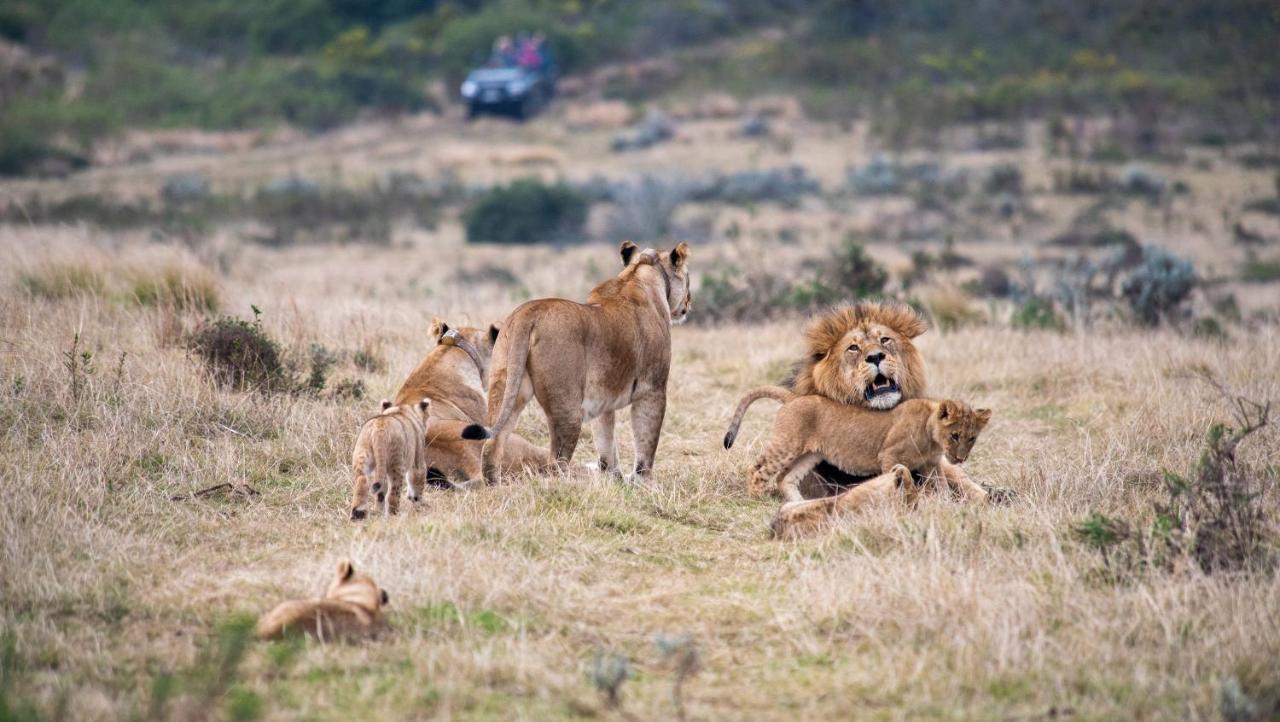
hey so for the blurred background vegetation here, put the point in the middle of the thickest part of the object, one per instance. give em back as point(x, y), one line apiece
point(79, 70)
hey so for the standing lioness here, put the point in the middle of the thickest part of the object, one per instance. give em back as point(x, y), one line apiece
point(584, 361)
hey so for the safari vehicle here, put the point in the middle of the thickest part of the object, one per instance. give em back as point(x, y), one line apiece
point(518, 92)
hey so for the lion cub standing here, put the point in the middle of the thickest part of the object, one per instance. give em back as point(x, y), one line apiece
point(810, 429)
point(391, 446)
point(352, 608)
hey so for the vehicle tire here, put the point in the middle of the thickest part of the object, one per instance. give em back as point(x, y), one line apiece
point(472, 111)
point(520, 111)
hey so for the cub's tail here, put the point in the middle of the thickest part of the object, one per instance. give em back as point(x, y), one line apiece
point(773, 392)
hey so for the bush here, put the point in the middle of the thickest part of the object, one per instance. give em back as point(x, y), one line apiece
point(466, 41)
point(527, 211)
point(1036, 312)
point(240, 355)
point(1259, 271)
point(1158, 285)
point(643, 211)
point(1220, 518)
point(728, 295)
point(847, 274)
point(38, 134)
point(777, 185)
point(1004, 178)
point(851, 274)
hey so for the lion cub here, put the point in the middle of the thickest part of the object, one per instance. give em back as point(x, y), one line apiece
point(915, 433)
point(351, 609)
point(390, 448)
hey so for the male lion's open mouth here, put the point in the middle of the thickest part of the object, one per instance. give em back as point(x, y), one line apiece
point(880, 386)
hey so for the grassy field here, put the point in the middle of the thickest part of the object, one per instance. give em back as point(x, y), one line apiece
point(506, 600)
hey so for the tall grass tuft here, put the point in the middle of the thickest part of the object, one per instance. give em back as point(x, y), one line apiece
point(182, 288)
point(58, 280)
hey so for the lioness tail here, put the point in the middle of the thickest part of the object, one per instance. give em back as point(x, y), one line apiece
point(773, 392)
point(517, 333)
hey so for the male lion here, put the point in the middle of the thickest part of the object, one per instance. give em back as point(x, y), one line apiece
point(862, 354)
point(389, 450)
point(583, 362)
point(453, 376)
point(351, 609)
point(915, 434)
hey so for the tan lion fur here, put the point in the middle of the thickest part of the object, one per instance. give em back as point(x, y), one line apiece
point(390, 449)
point(585, 361)
point(838, 342)
point(916, 434)
point(797, 518)
point(828, 369)
point(449, 377)
point(351, 609)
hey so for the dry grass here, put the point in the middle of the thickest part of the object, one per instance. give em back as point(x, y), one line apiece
point(502, 598)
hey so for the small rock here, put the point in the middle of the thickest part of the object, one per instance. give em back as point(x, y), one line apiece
point(754, 126)
point(1141, 180)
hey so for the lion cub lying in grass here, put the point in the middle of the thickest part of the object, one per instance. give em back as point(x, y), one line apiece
point(351, 609)
point(390, 448)
point(809, 429)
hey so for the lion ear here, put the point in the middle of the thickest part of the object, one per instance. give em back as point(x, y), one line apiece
point(984, 415)
point(914, 324)
point(345, 570)
point(946, 409)
point(627, 250)
point(438, 328)
point(494, 330)
point(679, 255)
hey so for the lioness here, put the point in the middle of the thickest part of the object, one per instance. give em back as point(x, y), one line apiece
point(808, 429)
point(586, 361)
point(352, 608)
point(453, 376)
point(390, 449)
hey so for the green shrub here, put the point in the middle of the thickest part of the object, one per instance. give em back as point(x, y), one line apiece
point(291, 26)
point(37, 132)
point(1259, 271)
point(467, 41)
point(241, 355)
point(848, 274)
point(1158, 285)
point(1037, 312)
point(1221, 516)
point(527, 211)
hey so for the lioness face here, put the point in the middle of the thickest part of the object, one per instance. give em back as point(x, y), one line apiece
point(871, 362)
point(959, 426)
point(680, 294)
